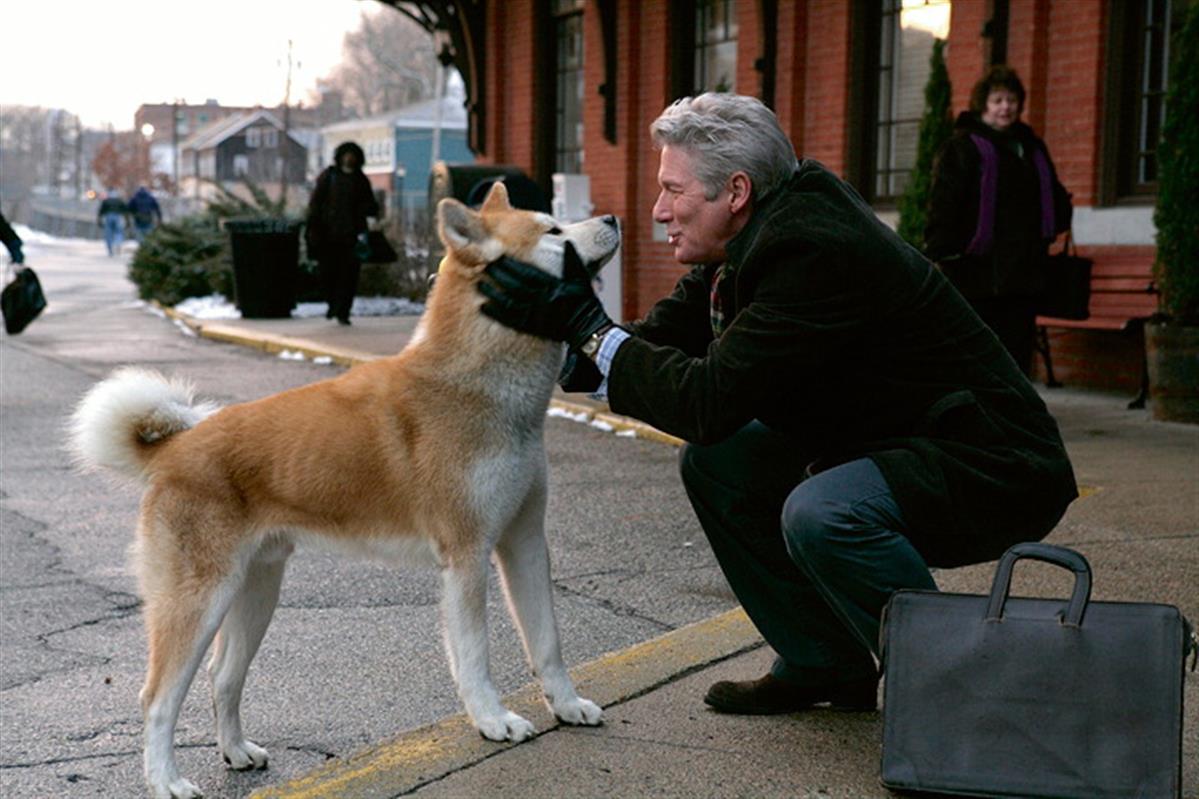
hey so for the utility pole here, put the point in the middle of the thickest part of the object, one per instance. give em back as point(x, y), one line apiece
point(175, 148)
point(285, 144)
point(78, 158)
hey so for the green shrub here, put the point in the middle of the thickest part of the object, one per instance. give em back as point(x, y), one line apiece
point(936, 127)
point(186, 258)
point(1177, 214)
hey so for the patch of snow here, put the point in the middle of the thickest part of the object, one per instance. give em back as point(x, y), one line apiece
point(288, 355)
point(322, 360)
point(562, 413)
point(216, 306)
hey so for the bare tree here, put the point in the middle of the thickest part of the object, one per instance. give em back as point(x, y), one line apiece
point(387, 62)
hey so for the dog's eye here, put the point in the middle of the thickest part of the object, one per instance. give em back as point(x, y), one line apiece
point(555, 231)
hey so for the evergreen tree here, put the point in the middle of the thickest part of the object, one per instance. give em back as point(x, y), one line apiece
point(936, 126)
point(1177, 212)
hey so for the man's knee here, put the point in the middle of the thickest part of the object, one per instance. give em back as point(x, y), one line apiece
point(807, 523)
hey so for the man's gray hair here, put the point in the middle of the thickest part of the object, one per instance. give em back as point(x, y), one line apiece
point(727, 133)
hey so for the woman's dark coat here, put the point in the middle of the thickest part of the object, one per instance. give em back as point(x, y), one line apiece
point(340, 204)
point(846, 338)
point(1014, 264)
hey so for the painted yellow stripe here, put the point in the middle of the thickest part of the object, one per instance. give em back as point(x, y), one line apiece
point(414, 758)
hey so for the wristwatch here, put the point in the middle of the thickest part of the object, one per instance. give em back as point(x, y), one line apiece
point(591, 346)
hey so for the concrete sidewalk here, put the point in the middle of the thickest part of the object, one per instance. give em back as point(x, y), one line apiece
point(1137, 523)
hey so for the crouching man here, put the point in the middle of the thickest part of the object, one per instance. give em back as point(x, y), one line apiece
point(851, 422)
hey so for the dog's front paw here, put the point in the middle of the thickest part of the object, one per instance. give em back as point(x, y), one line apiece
point(177, 788)
point(506, 727)
point(580, 712)
point(244, 756)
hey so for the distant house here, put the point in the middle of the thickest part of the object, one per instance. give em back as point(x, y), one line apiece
point(249, 146)
point(399, 146)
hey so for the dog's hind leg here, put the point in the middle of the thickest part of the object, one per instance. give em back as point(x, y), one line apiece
point(524, 565)
point(236, 644)
point(183, 609)
point(464, 606)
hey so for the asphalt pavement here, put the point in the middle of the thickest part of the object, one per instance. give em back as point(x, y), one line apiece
point(1137, 523)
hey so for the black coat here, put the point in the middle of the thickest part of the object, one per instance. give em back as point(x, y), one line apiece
point(1013, 265)
point(338, 207)
point(848, 339)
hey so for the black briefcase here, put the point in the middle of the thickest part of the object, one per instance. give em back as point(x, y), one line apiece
point(22, 300)
point(1006, 697)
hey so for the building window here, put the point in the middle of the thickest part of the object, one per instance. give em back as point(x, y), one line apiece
point(270, 138)
point(1139, 67)
point(568, 98)
point(715, 46)
point(254, 137)
point(241, 165)
point(906, 33)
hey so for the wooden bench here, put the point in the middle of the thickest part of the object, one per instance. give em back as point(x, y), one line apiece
point(1123, 297)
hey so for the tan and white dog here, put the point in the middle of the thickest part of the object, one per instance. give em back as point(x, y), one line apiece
point(435, 454)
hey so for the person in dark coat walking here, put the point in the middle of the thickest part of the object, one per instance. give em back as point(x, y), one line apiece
point(111, 216)
point(337, 214)
point(996, 204)
point(851, 421)
point(145, 211)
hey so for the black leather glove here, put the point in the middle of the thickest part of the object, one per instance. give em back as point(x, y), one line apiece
point(527, 299)
point(579, 374)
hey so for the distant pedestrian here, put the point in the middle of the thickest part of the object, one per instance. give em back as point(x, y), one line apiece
point(111, 217)
point(146, 212)
point(11, 240)
point(996, 205)
point(338, 210)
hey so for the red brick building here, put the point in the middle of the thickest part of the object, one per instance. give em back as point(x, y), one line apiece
point(573, 85)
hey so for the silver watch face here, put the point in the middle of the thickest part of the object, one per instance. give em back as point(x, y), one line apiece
point(591, 345)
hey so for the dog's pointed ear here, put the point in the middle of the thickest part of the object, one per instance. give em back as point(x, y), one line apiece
point(459, 226)
point(497, 198)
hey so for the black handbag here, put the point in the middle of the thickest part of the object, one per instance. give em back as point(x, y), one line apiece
point(373, 247)
point(999, 696)
point(22, 300)
point(1067, 292)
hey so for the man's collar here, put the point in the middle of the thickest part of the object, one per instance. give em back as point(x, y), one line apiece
point(738, 244)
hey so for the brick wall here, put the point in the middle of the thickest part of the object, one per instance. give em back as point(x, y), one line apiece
point(1056, 46)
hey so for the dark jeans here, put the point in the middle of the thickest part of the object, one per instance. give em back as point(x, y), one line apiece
point(813, 561)
point(339, 275)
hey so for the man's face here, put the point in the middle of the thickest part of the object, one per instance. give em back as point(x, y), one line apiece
point(696, 227)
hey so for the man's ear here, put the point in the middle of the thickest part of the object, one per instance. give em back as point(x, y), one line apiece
point(741, 191)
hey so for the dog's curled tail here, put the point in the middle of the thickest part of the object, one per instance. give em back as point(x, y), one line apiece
point(118, 422)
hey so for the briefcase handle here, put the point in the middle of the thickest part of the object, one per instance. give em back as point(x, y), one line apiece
point(1047, 553)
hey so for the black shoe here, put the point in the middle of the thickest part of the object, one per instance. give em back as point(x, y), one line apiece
point(329, 314)
point(343, 320)
point(769, 695)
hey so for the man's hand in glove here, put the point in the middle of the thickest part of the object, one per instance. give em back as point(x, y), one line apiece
point(531, 301)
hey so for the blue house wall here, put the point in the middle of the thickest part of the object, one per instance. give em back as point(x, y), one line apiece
point(413, 149)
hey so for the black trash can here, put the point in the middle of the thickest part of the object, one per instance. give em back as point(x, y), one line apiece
point(266, 266)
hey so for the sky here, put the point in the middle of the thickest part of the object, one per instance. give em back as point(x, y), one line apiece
point(101, 60)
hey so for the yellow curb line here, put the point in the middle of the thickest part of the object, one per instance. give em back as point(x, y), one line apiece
point(415, 758)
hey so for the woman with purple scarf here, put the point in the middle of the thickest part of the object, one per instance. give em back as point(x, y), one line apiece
point(996, 206)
